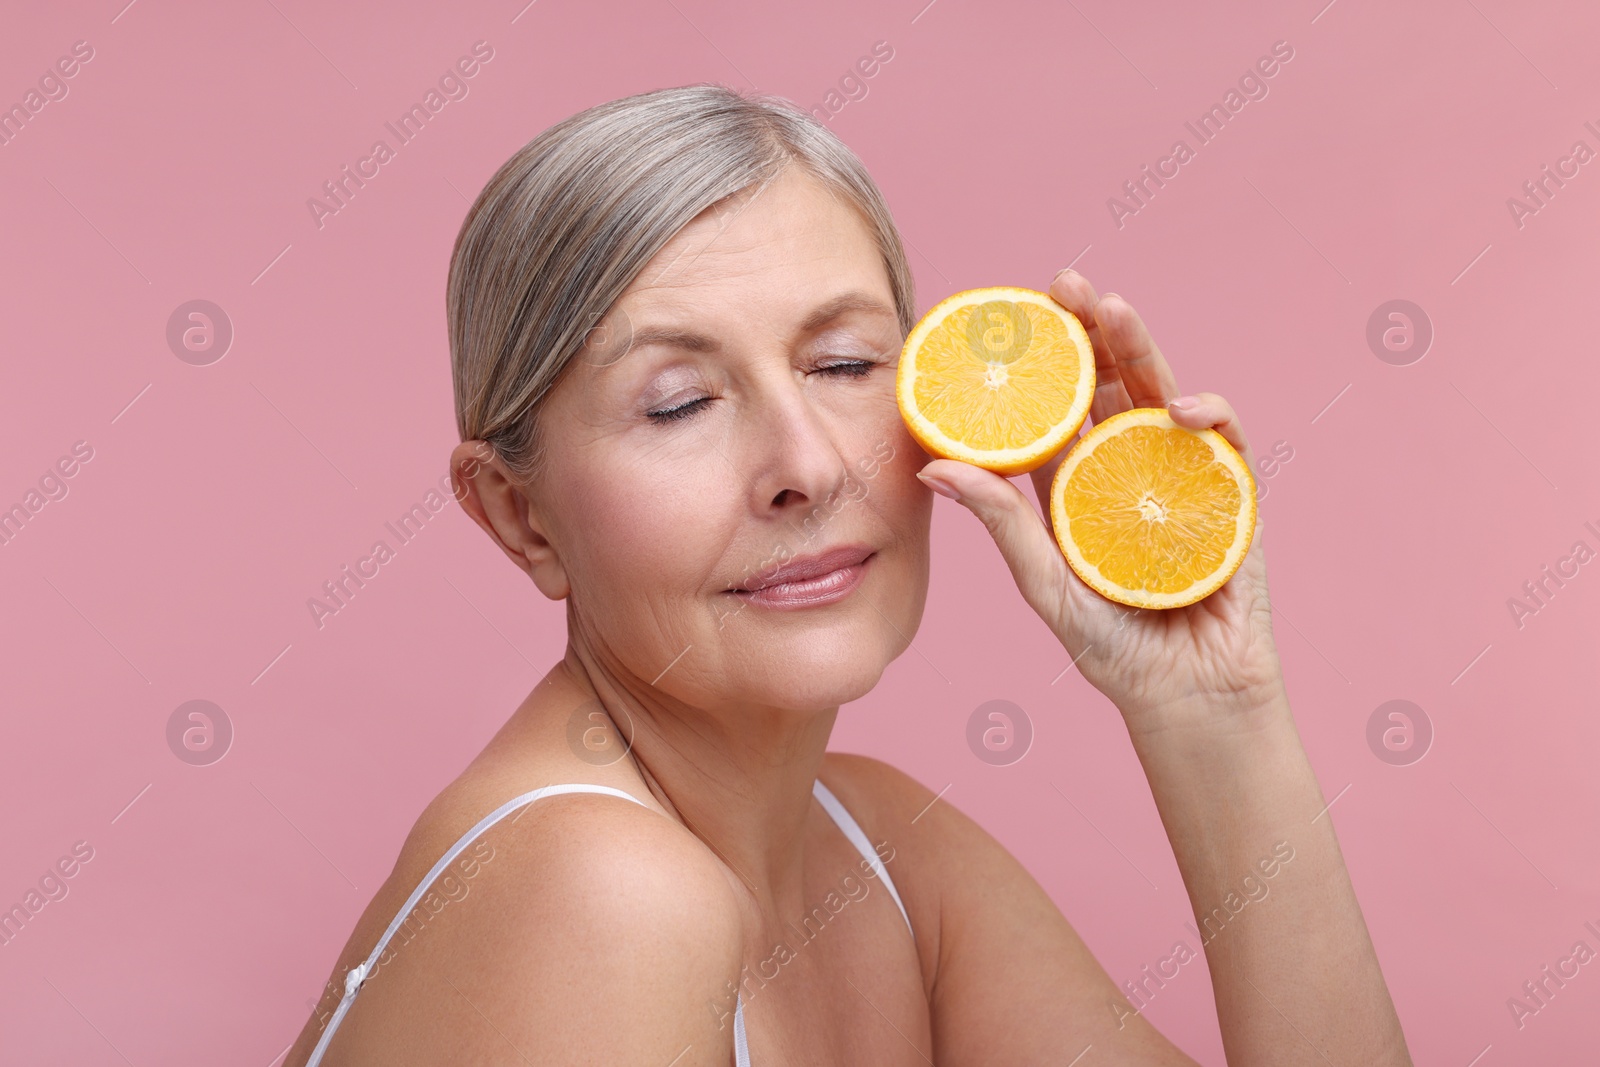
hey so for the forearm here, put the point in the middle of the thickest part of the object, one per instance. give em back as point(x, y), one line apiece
point(1292, 966)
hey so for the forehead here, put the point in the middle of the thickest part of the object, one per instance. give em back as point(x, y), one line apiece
point(783, 243)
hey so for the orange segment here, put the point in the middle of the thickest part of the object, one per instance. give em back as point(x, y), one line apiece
point(999, 377)
point(1151, 514)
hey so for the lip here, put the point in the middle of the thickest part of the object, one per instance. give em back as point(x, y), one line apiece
point(809, 580)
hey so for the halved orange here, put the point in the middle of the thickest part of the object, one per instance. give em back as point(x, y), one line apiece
point(1000, 378)
point(1151, 514)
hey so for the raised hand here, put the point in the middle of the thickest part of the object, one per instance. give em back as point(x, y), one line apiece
point(1194, 661)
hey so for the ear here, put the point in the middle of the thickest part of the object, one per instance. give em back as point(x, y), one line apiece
point(491, 494)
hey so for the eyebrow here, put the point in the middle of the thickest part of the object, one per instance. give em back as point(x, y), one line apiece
point(691, 341)
point(841, 305)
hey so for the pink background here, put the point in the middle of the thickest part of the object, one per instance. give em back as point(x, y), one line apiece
point(179, 564)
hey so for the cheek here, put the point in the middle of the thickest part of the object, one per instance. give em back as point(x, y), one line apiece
point(898, 457)
point(641, 535)
point(643, 546)
point(887, 463)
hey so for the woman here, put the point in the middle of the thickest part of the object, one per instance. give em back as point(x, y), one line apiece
point(674, 320)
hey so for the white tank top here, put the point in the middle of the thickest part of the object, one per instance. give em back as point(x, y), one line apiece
point(741, 1049)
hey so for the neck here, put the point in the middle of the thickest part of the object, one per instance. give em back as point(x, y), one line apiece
point(738, 777)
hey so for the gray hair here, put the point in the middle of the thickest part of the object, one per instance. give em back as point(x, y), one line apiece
point(568, 222)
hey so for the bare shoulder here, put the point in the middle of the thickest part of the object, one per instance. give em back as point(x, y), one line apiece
point(893, 810)
point(898, 805)
point(997, 936)
point(944, 848)
point(871, 781)
point(946, 841)
point(522, 944)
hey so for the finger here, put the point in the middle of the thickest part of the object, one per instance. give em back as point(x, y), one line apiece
point(1026, 545)
point(1140, 364)
point(1211, 411)
point(1073, 292)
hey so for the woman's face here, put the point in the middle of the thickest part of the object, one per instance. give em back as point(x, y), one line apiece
point(736, 412)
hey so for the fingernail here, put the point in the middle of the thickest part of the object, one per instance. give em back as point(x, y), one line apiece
point(1064, 270)
point(1184, 403)
point(939, 485)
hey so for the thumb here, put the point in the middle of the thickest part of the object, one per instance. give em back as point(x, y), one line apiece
point(1017, 527)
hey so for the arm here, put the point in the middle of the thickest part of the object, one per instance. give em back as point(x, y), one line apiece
point(1293, 970)
point(1009, 980)
point(1201, 691)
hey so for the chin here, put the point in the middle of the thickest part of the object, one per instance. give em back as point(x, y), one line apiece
point(822, 671)
point(831, 687)
point(825, 656)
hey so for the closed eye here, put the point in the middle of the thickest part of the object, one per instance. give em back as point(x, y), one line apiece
point(855, 368)
point(849, 369)
point(682, 411)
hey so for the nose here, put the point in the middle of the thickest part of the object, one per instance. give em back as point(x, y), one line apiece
point(797, 450)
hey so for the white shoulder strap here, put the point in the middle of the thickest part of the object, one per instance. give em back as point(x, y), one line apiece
point(858, 838)
point(741, 1044)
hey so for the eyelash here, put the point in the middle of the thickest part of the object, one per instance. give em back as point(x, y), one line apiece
point(848, 369)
